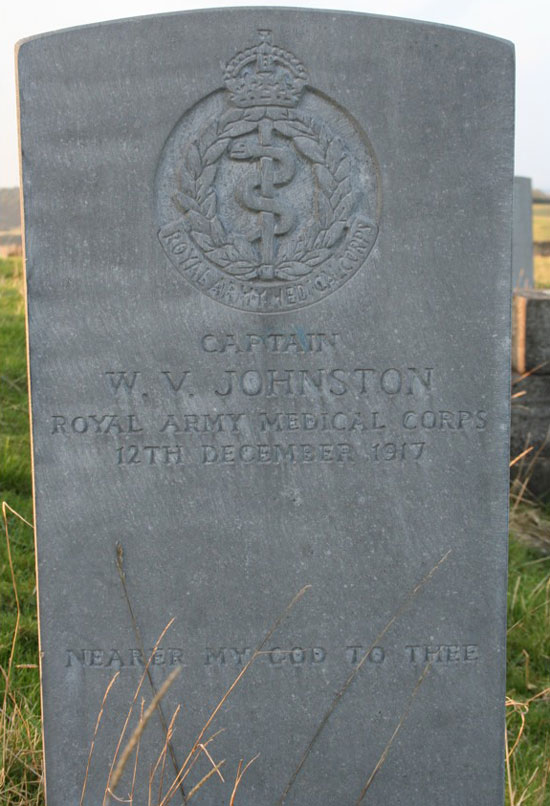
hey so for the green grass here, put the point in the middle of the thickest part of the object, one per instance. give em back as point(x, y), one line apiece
point(529, 602)
point(15, 480)
point(528, 670)
point(20, 722)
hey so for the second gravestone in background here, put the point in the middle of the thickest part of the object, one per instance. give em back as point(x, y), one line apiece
point(268, 272)
point(522, 234)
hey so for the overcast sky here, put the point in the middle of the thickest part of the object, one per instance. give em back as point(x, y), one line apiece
point(524, 22)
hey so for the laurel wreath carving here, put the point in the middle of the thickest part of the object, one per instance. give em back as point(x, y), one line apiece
point(233, 252)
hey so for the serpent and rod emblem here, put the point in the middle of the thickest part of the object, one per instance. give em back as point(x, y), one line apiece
point(267, 192)
point(276, 167)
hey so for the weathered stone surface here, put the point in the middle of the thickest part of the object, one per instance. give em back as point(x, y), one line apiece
point(522, 234)
point(531, 331)
point(531, 429)
point(269, 341)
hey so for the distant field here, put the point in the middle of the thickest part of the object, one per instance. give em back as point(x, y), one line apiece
point(541, 233)
point(9, 209)
point(542, 271)
point(541, 222)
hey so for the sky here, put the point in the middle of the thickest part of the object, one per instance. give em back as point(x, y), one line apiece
point(525, 22)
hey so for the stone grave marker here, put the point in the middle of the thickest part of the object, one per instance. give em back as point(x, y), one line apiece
point(268, 273)
point(530, 422)
point(522, 234)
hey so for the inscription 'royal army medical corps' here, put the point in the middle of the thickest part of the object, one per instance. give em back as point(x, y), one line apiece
point(267, 192)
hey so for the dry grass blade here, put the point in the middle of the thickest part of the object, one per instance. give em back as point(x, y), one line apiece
point(255, 654)
point(136, 759)
point(391, 740)
point(197, 754)
point(139, 639)
point(134, 738)
point(521, 621)
point(400, 610)
point(186, 764)
point(211, 760)
point(521, 708)
point(521, 455)
point(525, 793)
point(203, 780)
point(161, 760)
point(239, 777)
point(22, 749)
point(164, 750)
point(523, 483)
point(92, 745)
point(529, 372)
point(131, 709)
point(5, 508)
point(120, 800)
point(7, 673)
point(508, 771)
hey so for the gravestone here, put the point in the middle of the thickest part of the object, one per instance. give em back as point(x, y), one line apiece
point(531, 402)
point(522, 234)
point(531, 331)
point(268, 272)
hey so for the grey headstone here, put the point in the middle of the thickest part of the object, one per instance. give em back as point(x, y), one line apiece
point(531, 331)
point(522, 234)
point(531, 402)
point(531, 434)
point(307, 246)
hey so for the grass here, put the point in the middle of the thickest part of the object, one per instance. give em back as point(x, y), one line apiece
point(528, 704)
point(20, 730)
point(528, 669)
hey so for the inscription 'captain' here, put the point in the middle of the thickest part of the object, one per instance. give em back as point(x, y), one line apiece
point(291, 343)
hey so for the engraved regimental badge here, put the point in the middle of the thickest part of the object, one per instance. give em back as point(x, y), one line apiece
point(267, 191)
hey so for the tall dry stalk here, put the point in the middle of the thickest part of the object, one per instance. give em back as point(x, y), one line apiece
point(199, 748)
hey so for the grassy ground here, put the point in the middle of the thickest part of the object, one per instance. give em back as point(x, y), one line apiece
point(528, 670)
point(20, 718)
point(528, 705)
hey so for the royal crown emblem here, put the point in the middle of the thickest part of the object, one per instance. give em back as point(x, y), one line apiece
point(265, 76)
point(267, 191)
